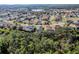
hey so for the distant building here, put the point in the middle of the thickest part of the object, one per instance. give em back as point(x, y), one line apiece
point(37, 10)
point(58, 18)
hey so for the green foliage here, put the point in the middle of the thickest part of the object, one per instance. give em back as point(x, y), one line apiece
point(53, 42)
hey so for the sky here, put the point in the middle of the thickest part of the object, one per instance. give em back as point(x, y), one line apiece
point(39, 2)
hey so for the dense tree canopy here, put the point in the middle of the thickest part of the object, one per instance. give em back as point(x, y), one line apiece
point(62, 40)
